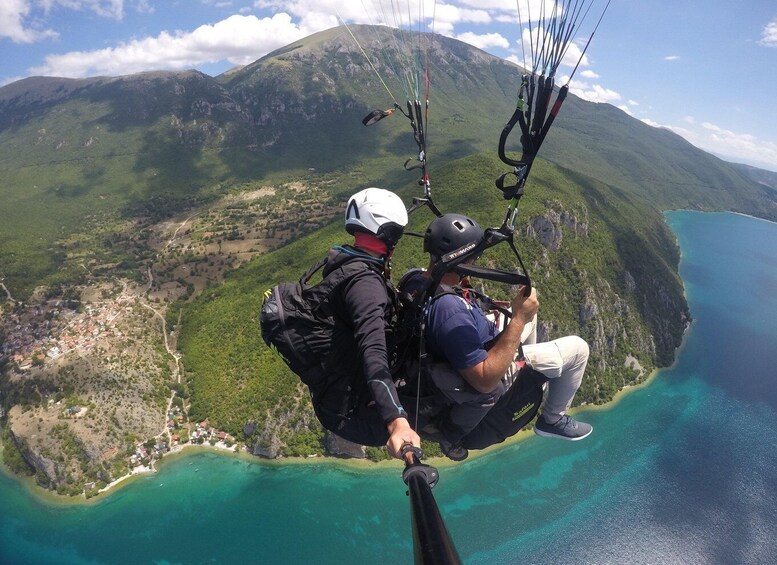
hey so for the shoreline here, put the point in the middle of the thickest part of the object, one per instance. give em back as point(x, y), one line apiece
point(351, 464)
point(367, 465)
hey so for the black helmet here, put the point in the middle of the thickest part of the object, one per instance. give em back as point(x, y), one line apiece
point(450, 232)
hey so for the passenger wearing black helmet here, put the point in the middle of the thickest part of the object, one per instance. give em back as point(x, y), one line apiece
point(359, 401)
point(483, 362)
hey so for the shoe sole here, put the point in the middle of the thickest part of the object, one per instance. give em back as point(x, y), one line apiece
point(548, 434)
point(456, 458)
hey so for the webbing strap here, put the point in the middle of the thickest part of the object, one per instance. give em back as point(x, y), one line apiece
point(350, 268)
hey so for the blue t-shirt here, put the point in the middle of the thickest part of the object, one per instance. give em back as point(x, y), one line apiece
point(457, 330)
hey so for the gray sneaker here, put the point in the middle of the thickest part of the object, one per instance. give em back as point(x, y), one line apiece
point(454, 451)
point(566, 428)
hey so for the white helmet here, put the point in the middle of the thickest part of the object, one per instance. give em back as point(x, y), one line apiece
point(376, 211)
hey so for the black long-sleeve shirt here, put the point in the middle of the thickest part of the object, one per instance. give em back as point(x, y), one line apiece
point(364, 306)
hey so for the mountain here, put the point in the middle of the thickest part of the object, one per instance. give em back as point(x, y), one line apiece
point(86, 155)
point(158, 184)
point(766, 178)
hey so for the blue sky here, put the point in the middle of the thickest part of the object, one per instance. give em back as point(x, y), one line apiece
point(706, 70)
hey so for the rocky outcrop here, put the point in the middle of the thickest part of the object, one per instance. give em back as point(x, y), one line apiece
point(46, 471)
point(547, 228)
point(339, 447)
point(611, 325)
point(272, 437)
point(665, 312)
point(268, 445)
point(589, 308)
point(609, 312)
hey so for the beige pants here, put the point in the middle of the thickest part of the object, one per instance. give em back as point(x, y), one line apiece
point(562, 360)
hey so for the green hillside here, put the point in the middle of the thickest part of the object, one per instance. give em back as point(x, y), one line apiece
point(651, 163)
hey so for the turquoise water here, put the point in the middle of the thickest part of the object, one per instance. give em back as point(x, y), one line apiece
point(680, 471)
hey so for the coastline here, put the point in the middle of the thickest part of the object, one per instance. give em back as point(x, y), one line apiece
point(622, 494)
point(351, 464)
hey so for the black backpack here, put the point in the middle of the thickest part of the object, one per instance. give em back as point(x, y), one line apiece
point(298, 322)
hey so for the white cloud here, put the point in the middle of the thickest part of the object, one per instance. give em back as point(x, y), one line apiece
point(144, 6)
point(507, 12)
point(9, 80)
point(741, 146)
point(13, 25)
point(217, 3)
point(21, 21)
point(504, 5)
point(671, 58)
point(505, 18)
point(106, 8)
point(629, 106)
point(315, 13)
point(594, 93)
point(444, 16)
point(484, 41)
point(769, 35)
point(589, 74)
point(238, 39)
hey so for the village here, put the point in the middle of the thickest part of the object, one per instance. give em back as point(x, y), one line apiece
point(180, 435)
point(94, 349)
point(37, 335)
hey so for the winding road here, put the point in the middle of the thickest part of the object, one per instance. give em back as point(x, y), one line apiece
point(173, 353)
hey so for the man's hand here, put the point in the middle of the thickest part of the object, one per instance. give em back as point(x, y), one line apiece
point(400, 434)
point(525, 307)
point(485, 376)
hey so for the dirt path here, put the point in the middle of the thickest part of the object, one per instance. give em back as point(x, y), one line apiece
point(172, 352)
point(8, 293)
point(179, 228)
